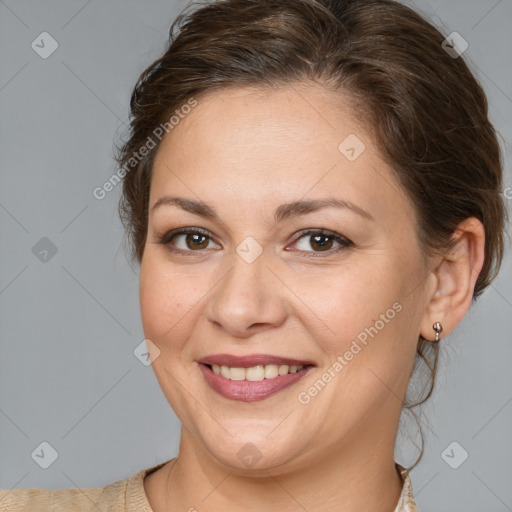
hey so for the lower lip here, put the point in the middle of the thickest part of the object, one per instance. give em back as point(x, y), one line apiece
point(249, 391)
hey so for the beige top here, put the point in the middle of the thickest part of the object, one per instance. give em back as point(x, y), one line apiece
point(123, 495)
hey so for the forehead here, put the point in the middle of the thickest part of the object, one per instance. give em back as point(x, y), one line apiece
point(265, 144)
point(253, 125)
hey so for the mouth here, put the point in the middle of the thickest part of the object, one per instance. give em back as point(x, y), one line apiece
point(255, 373)
point(252, 378)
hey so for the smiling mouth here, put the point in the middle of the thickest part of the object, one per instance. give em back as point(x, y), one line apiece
point(252, 383)
point(256, 373)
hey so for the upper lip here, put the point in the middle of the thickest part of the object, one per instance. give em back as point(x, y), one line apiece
point(251, 360)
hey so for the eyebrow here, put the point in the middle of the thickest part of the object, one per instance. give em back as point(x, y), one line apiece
point(285, 211)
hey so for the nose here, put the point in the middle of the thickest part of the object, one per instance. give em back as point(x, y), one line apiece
point(248, 299)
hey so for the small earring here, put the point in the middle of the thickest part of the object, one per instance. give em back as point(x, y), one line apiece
point(438, 328)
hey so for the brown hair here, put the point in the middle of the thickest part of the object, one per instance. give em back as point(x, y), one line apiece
point(426, 111)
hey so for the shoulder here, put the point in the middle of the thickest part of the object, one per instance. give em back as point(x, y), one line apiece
point(21, 499)
point(125, 494)
point(79, 500)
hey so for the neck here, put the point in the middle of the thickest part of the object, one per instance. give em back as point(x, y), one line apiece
point(358, 476)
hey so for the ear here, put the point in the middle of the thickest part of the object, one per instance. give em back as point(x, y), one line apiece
point(455, 278)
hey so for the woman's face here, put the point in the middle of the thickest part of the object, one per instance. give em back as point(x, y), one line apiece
point(248, 282)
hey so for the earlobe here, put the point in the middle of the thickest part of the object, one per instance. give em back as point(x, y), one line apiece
point(456, 275)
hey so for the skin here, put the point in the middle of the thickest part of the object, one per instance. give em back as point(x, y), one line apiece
point(245, 152)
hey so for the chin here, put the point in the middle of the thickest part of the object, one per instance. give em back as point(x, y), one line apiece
point(250, 455)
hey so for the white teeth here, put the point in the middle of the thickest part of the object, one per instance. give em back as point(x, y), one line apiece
point(271, 371)
point(255, 373)
point(237, 373)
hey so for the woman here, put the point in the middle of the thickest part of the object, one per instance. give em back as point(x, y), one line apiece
point(312, 190)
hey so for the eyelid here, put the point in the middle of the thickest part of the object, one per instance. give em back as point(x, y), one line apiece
point(319, 231)
point(169, 235)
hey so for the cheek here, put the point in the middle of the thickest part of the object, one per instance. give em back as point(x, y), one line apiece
point(347, 298)
point(167, 299)
point(364, 320)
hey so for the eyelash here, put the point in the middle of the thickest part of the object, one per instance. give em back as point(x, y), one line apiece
point(343, 241)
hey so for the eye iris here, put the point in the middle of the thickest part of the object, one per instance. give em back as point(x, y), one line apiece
point(323, 246)
point(195, 237)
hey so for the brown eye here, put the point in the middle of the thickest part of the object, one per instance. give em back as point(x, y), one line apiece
point(186, 240)
point(197, 241)
point(321, 241)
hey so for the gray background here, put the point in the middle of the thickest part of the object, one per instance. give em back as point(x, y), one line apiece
point(69, 324)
